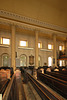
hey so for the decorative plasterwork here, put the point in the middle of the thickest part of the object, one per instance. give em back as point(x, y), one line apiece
point(30, 24)
point(30, 21)
point(31, 27)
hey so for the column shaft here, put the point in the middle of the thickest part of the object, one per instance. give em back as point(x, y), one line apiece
point(36, 49)
point(13, 60)
point(54, 51)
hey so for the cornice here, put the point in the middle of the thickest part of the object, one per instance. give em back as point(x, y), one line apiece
point(23, 19)
point(30, 27)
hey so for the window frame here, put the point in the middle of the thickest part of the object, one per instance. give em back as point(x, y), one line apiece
point(3, 60)
point(62, 63)
point(40, 44)
point(51, 61)
point(26, 59)
point(62, 47)
point(4, 38)
point(26, 43)
point(51, 46)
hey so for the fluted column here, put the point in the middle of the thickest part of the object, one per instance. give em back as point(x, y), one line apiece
point(36, 49)
point(54, 51)
point(13, 60)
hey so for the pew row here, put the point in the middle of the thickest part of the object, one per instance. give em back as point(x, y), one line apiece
point(11, 92)
point(44, 92)
point(57, 84)
point(3, 85)
point(58, 75)
point(14, 90)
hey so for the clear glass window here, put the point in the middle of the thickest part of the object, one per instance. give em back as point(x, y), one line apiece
point(60, 63)
point(6, 41)
point(23, 43)
point(39, 45)
point(50, 46)
point(5, 60)
point(23, 60)
point(49, 61)
point(60, 47)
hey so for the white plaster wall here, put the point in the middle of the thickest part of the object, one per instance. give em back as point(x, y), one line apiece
point(31, 44)
point(7, 50)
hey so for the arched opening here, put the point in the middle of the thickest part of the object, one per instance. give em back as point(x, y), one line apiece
point(39, 60)
point(5, 60)
point(49, 61)
point(23, 60)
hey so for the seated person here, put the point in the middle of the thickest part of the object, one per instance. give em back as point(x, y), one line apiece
point(56, 68)
point(63, 69)
point(48, 69)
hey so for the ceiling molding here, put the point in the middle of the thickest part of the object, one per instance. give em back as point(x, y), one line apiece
point(31, 21)
point(23, 22)
point(31, 27)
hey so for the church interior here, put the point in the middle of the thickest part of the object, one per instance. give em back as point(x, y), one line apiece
point(33, 50)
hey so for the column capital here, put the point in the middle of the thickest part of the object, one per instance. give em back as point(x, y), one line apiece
point(36, 31)
point(13, 25)
point(54, 34)
point(66, 39)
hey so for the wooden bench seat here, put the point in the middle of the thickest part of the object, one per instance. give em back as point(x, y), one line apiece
point(3, 85)
point(57, 84)
point(58, 75)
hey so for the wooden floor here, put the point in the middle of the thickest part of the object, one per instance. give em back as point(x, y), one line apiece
point(20, 90)
point(30, 92)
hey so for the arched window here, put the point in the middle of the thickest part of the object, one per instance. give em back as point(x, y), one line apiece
point(39, 60)
point(49, 61)
point(61, 63)
point(5, 60)
point(23, 60)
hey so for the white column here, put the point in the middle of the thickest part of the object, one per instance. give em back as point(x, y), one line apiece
point(13, 59)
point(54, 51)
point(36, 49)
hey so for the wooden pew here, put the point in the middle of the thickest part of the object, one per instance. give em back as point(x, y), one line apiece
point(58, 75)
point(7, 68)
point(4, 80)
point(11, 92)
point(3, 85)
point(57, 84)
point(64, 72)
point(44, 92)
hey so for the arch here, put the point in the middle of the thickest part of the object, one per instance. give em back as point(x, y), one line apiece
point(23, 60)
point(39, 60)
point(5, 59)
point(49, 61)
